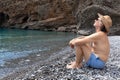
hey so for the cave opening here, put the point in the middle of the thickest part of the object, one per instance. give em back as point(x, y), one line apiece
point(3, 18)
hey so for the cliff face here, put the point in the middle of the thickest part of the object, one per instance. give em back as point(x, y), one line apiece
point(37, 14)
point(58, 15)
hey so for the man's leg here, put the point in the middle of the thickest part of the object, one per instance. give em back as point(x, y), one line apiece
point(79, 58)
point(84, 50)
point(87, 50)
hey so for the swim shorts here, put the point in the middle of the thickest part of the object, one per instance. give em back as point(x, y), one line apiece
point(95, 62)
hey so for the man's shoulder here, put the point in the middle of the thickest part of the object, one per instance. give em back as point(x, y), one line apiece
point(100, 33)
point(96, 35)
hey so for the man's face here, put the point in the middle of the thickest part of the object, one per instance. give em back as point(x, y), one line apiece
point(98, 23)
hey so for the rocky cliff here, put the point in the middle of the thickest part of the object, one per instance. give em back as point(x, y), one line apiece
point(58, 15)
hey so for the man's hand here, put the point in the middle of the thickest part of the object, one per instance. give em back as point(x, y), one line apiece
point(71, 43)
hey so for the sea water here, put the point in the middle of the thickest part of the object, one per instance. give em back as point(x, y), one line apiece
point(15, 43)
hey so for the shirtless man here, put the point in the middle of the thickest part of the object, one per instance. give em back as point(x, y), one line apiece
point(94, 48)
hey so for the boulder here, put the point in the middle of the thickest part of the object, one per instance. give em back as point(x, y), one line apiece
point(87, 12)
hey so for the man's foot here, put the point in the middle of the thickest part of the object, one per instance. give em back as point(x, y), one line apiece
point(73, 65)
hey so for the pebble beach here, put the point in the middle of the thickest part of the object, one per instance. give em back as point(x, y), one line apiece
point(54, 68)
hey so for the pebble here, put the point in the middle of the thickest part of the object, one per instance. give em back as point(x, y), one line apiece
point(27, 60)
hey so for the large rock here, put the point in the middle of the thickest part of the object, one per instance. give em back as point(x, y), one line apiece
point(87, 13)
point(52, 14)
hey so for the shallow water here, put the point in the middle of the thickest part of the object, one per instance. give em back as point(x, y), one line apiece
point(16, 43)
point(18, 48)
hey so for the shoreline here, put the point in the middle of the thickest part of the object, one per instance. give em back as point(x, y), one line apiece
point(53, 68)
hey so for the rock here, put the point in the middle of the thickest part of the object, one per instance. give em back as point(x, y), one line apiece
point(47, 13)
point(61, 29)
point(83, 32)
point(67, 28)
point(87, 13)
point(52, 14)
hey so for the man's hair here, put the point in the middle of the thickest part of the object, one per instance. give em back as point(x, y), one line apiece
point(104, 29)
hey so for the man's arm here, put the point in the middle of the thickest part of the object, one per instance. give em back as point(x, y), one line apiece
point(70, 43)
point(78, 38)
point(88, 39)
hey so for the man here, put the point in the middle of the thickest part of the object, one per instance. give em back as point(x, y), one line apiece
point(94, 48)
